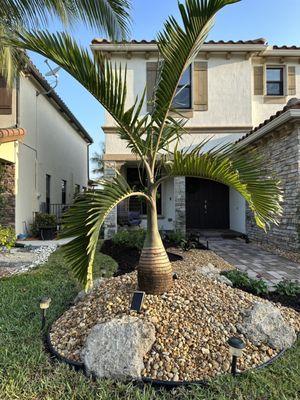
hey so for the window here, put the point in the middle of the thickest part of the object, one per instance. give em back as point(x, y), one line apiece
point(63, 192)
point(48, 193)
point(183, 97)
point(275, 81)
point(137, 203)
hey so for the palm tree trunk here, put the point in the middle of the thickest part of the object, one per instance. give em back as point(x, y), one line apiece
point(154, 270)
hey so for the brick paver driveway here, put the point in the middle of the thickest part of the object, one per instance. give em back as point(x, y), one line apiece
point(255, 261)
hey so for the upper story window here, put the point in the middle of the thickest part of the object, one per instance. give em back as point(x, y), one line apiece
point(5, 97)
point(275, 81)
point(183, 97)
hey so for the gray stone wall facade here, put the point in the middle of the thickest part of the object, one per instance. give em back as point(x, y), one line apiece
point(179, 203)
point(280, 152)
point(7, 194)
point(110, 224)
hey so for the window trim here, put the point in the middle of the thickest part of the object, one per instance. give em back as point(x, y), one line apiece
point(284, 80)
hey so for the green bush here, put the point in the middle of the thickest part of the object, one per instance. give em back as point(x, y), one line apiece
point(175, 237)
point(288, 288)
point(238, 278)
point(258, 286)
point(7, 237)
point(42, 220)
point(133, 239)
point(242, 280)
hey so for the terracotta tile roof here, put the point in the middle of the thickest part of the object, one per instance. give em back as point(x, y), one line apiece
point(144, 41)
point(11, 134)
point(286, 47)
point(292, 104)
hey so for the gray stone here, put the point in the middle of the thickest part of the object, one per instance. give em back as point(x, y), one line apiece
point(265, 324)
point(115, 349)
point(223, 279)
point(208, 270)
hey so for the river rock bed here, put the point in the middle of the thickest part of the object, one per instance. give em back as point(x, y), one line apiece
point(193, 323)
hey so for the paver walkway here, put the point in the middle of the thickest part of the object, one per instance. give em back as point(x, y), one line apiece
point(255, 261)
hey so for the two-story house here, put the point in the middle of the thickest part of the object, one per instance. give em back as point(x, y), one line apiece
point(44, 151)
point(231, 88)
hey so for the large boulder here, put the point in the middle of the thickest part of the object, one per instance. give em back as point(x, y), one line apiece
point(263, 323)
point(115, 349)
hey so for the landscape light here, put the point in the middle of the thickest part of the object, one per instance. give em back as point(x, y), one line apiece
point(236, 347)
point(44, 305)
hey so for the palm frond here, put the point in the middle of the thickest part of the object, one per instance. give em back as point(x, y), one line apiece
point(179, 45)
point(109, 16)
point(83, 222)
point(240, 171)
point(105, 81)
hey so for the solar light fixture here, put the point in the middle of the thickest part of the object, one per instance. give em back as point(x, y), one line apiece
point(44, 305)
point(137, 301)
point(236, 347)
point(175, 276)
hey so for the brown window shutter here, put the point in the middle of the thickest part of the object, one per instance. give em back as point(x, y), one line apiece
point(259, 85)
point(291, 81)
point(151, 81)
point(200, 86)
point(5, 98)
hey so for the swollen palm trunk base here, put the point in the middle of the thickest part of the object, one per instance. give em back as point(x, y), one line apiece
point(154, 271)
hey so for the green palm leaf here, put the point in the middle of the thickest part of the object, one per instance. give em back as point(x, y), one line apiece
point(240, 171)
point(83, 222)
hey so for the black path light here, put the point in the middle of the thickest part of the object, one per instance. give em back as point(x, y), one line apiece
point(236, 347)
point(44, 305)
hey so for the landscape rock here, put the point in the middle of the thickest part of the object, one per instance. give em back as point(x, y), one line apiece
point(115, 349)
point(223, 279)
point(264, 323)
point(208, 270)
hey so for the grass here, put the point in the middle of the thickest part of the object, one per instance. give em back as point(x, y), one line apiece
point(26, 372)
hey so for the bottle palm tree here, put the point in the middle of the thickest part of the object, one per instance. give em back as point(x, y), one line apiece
point(109, 16)
point(149, 137)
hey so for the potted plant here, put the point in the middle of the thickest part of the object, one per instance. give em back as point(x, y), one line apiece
point(45, 226)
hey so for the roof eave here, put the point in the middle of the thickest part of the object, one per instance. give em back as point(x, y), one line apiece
point(152, 47)
point(287, 116)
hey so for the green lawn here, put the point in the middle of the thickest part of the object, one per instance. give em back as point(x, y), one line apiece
point(26, 373)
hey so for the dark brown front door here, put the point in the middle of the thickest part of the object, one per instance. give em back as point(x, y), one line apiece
point(207, 204)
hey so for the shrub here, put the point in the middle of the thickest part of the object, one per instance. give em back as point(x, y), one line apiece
point(187, 245)
point(7, 237)
point(288, 288)
point(242, 280)
point(238, 278)
point(258, 286)
point(133, 239)
point(42, 220)
point(175, 237)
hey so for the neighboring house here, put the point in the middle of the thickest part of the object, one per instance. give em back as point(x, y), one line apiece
point(230, 88)
point(43, 150)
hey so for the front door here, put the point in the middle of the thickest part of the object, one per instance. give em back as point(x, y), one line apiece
point(207, 204)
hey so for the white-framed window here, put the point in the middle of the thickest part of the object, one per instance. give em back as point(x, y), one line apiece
point(275, 82)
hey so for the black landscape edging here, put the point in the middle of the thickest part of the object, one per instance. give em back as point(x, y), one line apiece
point(79, 366)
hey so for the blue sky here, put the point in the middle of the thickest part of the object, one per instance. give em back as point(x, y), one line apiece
point(277, 21)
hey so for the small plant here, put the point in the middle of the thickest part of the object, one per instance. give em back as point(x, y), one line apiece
point(175, 237)
point(133, 239)
point(239, 279)
point(43, 220)
point(187, 245)
point(7, 237)
point(258, 286)
point(288, 288)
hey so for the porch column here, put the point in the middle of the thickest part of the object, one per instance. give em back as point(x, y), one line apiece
point(179, 202)
point(110, 223)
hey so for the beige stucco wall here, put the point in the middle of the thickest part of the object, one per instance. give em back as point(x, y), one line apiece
point(51, 146)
